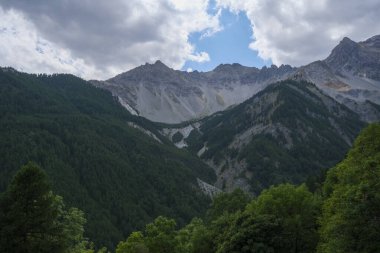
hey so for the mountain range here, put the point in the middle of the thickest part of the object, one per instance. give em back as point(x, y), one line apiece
point(161, 94)
point(157, 141)
point(350, 74)
point(287, 132)
point(259, 127)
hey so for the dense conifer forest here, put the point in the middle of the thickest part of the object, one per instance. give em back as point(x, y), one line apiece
point(342, 215)
point(77, 177)
point(120, 177)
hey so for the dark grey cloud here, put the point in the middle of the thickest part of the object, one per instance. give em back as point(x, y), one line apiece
point(118, 34)
point(94, 30)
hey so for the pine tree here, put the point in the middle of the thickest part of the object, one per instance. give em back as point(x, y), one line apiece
point(28, 216)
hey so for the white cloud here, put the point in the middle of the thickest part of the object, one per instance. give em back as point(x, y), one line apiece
point(199, 57)
point(98, 39)
point(23, 49)
point(300, 31)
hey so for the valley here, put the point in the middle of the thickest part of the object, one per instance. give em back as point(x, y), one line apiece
point(155, 142)
point(287, 132)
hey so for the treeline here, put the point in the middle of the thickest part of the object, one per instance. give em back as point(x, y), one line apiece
point(343, 215)
point(303, 134)
point(79, 134)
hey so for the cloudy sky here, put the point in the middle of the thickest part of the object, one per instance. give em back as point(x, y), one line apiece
point(98, 39)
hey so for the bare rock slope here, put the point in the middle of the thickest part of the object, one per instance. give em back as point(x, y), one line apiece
point(351, 75)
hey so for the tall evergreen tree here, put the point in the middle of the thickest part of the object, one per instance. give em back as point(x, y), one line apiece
point(29, 216)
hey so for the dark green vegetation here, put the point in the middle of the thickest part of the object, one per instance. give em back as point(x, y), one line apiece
point(177, 137)
point(286, 133)
point(281, 219)
point(343, 217)
point(120, 177)
point(33, 219)
point(351, 213)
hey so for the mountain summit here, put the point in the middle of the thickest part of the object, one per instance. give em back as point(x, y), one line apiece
point(350, 75)
point(362, 59)
point(165, 95)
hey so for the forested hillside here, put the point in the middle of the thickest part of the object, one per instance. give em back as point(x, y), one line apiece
point(120, 177)
point(128, 183)
point(288, 132)
point(341, 216)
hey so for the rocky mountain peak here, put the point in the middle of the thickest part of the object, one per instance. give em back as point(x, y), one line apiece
point(162, 94)
point(373, 42)
point(356, 59)
point(229, 68)
point(157, 66)
point(346, 41)
point(342, 53)
point(148, 71)
point(345, 46)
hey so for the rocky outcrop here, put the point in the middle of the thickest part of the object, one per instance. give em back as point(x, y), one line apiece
point(165, 95)
point(285, 133)
point(350, 74)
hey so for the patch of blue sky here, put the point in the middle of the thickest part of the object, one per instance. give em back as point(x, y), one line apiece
point(231, 45)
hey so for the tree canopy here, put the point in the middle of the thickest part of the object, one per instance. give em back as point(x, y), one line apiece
point(351, 212)
point(33, 219)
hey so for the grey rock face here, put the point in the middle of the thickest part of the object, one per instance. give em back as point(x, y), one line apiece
point(361, 59)
point(351, 75)
point(165, 95)
point(285, 133)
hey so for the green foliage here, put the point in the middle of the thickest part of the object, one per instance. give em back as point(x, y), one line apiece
point(161, 235)
point(297, 132)
point(194, 238)
point(134, 244)
point(251, 233)
point(351, 216)
point(33, 219)
point(296, 209)
point(227, 203)
point(177, 137)
point(284, 218)
point(220, 229)
point(158, 236)
point(194, 140)
point(121, 178)
point(72, 221)
point(271, 162)
point(28, 220)
point(281, 219)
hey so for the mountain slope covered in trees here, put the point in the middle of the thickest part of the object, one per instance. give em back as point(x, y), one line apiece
point(120, 177)
point(286, 133)
point(341, 216)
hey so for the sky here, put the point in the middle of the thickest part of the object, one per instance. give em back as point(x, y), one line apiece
point(97, 39)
